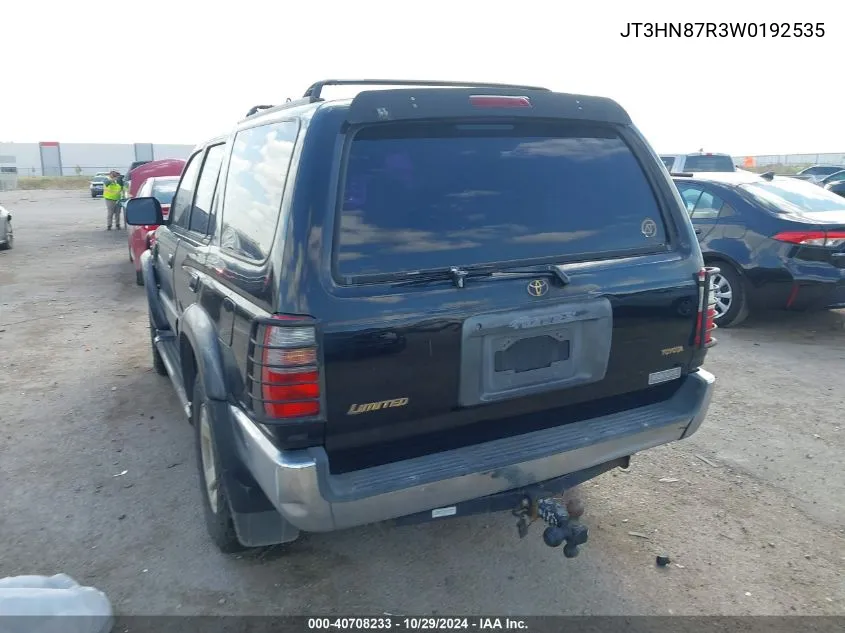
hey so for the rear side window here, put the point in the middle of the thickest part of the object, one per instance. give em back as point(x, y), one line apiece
point(205, 189)
point(255, 184)
point(421, 196)
point(669, 161)
point(709, 163)
point(180, 209)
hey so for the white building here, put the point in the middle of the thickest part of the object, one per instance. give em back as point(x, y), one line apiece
point(50, 158)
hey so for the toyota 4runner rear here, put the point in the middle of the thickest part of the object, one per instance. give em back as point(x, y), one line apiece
point(427, 301)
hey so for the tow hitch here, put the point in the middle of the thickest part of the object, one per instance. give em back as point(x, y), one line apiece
point(561, 520)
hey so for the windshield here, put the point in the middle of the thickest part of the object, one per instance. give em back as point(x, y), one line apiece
point(165, 190)
point(795, 196)
point(430, 195)
point(709, 163)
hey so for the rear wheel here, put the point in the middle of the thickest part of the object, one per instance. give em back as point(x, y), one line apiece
point(731, 296)
point(218, 515)
point(139, 277)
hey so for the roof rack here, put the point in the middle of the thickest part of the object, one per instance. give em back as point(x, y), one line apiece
point(315, 90)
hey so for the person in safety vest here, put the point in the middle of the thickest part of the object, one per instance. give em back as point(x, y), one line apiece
point(111, 194)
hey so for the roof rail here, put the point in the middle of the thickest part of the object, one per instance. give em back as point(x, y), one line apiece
point(289, 103)
point(255, 109)
point(682, 174)
point(316, 89)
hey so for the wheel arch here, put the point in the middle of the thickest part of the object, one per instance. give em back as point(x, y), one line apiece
point(200, 354)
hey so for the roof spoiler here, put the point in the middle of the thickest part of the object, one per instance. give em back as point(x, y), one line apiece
point(374, 106)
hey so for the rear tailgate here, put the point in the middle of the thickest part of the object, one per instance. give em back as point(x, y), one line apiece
point(413, 369)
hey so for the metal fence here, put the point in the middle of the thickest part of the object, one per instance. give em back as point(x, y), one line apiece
point(787, 161)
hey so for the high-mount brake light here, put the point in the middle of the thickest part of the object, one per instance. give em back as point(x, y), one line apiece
point(705, 323)
point(290, 373)
point(831, 239)
point(499, 101)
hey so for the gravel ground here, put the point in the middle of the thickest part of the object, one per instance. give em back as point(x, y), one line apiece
point(97, 475)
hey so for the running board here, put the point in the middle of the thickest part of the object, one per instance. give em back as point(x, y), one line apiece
point(165, 343)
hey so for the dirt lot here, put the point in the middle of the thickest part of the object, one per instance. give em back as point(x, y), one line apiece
point(97, 475)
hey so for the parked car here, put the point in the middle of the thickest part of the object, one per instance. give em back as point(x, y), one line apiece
point(153, 168)
point(837, 187)
point(127, 182)
point(817, 172)
point(698, 162)
point(7, 234)
point(834, 177)
point(142, 237)
point(778, 242)
point(374, 334)
point(98, 182)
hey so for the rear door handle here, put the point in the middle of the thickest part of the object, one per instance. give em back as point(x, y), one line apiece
point(170, 260)
point(697, 231)
point(194, 281)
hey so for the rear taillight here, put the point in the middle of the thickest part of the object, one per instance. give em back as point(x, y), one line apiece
point(499, 101)
point(831, 239)
point(705, 323)
point(286, 351)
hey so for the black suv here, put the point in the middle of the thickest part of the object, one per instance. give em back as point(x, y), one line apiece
point(431, 300)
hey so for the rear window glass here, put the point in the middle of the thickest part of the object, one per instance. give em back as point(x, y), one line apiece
point(164, 191)
point(423, 196)
point(819, 170)
point(793, 195)
point(709, 163)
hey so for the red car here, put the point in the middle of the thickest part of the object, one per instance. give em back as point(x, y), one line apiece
point(164, 167)
point(142, 237)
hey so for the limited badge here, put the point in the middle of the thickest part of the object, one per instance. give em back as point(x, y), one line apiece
point(649, 227)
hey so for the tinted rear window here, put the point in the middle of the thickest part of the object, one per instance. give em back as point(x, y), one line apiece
point(820, 170)
point(793, 195)
point(709, 163)
point(422, 196)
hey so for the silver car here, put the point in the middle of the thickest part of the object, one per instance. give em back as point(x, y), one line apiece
point(7, 237)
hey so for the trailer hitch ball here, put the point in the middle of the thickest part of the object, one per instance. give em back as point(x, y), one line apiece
point(561, 530)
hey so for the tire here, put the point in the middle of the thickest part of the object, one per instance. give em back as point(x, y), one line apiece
point(158, 362)
point(218, 515)
point(139, 277)
point(731, 296)
point(10, 237)
point(93, 195)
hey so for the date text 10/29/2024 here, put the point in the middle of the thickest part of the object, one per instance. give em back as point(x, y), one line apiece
point(405, 623)
point(724, 29)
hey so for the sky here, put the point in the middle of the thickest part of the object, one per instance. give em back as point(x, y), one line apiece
point(181, 71)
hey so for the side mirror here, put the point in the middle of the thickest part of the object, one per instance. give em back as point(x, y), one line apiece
point(141, 211)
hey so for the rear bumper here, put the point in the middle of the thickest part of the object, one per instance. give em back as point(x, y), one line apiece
point(301, 487)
